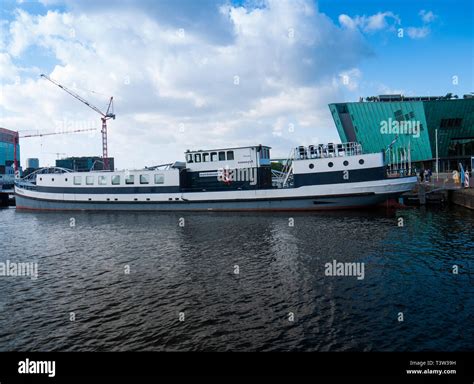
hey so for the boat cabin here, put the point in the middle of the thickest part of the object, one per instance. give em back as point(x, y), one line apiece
point(241, 157)
point(227, 168)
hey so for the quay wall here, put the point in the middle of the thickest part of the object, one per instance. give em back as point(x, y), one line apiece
point(463, 197)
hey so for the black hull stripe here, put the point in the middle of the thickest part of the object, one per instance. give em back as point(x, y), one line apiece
point(337, 177)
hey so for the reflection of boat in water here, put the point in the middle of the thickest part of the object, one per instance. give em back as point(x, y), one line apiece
point(6, 198)
point(318, 177)
point(7, 181)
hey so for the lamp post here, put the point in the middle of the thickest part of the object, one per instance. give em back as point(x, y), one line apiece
point(437, 166)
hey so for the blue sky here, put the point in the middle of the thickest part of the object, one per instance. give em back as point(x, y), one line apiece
point(428, 63)
point(189, 74)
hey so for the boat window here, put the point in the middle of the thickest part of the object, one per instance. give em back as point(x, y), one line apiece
point(230, 155)
point(77, 180)
point(361, 161)
point(130, 179)
point(144, 179)
point(197, 158)
point(213, 156)
point(346, 163)
point(90, 180)
point(205, 157)
point(159, 178)
point(221, 156)
point(116, 179)
point(102, 180)
point(330, 164)
point(189, 158)
point(311, 166)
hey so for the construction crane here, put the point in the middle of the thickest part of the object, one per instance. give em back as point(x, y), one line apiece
point(18, 137)
point(56, 133)
point(109, 114)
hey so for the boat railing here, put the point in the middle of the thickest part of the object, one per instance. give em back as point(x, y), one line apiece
point(321, 151)
point(284, 178)
point(163, 167)
point(31, 177)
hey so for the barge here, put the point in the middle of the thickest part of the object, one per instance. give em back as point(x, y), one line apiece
point(315, 177)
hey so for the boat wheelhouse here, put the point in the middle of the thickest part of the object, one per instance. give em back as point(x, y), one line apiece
point(239, 168)
point(313, 177)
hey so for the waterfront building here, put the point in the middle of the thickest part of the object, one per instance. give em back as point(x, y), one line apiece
point(412, 127)
point(84, 164)
point(32, 163)
point(7, 156)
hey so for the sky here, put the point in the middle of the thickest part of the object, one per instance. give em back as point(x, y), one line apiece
point(216, 73)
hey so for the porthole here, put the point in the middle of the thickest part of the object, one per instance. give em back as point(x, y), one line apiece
point(66, 179)
point(346, 163)
point(108, 199)
point(330, 164)
point(135, 199)
point(311, 166)
point(52, 179)
point(361, 161)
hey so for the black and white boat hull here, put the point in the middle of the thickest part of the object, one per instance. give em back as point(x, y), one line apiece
point(318, 197)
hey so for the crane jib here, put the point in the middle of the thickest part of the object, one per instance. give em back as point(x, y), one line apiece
point(104, 117)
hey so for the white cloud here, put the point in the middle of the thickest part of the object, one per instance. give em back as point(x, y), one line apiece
point(387, 21)
point(173, 83)
point(8, 71)
point(350, 79)
point(421, 32)
point(418, 32)
point(373, 23)
point(427, 16)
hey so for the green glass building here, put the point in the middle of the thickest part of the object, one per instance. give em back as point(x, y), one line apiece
point(7, 151)
point(414, 124)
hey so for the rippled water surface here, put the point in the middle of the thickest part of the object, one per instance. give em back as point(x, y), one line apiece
point(190, 268)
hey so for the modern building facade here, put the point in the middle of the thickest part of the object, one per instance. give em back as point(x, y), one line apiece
point(417, 125)
point(84, 164)
point(7, 155)
point(32, 162)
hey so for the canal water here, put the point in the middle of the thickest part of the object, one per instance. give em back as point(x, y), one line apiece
point(240, 282)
